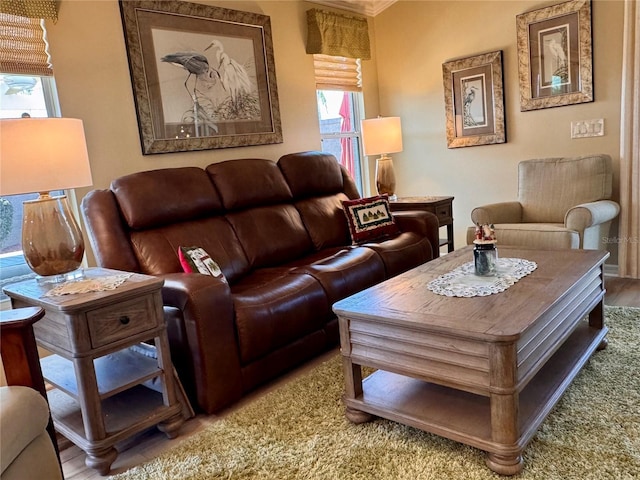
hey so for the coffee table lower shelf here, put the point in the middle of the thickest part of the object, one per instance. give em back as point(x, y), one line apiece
point(466, 417)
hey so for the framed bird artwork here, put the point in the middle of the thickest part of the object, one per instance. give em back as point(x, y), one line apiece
point(203, 77)
point(555, 56)
point(474, 100)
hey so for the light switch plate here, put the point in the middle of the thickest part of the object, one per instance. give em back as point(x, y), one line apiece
point(587, 128)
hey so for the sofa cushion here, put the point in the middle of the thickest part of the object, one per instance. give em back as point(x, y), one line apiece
point(402, 252)
point(311, 174)
point(273, 308)
point(344, 272)
point(156, 249)
point(369, 218)
point(280, 224)
point(324, 220)
point(249, 182)
point(161, 197)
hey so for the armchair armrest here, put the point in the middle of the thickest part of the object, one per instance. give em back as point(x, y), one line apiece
point(24, 414)
point(503, 212)
point(208, 315)
point(586, 215)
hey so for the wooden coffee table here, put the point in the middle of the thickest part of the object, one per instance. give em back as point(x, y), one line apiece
point(484, 371)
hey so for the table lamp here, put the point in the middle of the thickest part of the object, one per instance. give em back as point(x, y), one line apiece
point(43, 155)
point(381, 136)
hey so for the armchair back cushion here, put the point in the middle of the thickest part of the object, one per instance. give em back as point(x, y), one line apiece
point(548, 188)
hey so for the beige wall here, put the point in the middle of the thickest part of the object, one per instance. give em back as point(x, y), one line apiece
point(411, 40)
point(414, 38)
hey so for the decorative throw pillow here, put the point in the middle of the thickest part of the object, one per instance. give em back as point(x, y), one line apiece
point(195, 259)
point(369, 218)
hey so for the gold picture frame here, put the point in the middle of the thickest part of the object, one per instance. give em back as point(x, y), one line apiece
point(203, 77)
point(555, 56)
point(474, 100)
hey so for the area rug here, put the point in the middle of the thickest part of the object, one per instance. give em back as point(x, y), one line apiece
point(299, 431)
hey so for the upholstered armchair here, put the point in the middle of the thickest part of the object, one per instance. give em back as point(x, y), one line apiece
point(27, 438)
point(562, 203)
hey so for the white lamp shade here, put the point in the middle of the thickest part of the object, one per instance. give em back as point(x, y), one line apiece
point(381, 135)
point(42, 155)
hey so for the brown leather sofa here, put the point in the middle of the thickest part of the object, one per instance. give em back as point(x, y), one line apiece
point(280, 236)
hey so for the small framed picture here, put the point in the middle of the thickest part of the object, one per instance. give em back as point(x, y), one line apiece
point(555, 56)
point(474, 100)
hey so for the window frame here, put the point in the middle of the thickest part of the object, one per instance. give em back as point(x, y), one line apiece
point(14, 270)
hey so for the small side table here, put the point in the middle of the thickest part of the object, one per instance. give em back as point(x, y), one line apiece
point(441, 207)
point(102, 383)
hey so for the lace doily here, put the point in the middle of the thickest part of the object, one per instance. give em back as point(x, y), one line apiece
point(463, 282)
point(98, 284)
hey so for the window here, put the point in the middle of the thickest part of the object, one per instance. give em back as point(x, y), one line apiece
point(339, 98)
point(338, 112)
point(27, 88)
point(20, 95)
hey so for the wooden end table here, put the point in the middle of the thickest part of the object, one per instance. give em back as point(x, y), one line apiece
point(484, 371)
point(441, 207)
point(101, 379)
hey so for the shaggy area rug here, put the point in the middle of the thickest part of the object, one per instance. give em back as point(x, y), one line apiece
point(299, 431)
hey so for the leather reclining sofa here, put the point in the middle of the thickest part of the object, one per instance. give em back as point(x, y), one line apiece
point(279, 234)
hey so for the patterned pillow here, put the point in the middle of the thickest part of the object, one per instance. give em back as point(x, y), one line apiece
point(195, 259)
point(369, 218)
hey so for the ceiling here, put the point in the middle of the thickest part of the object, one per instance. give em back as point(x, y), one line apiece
point(364, 7)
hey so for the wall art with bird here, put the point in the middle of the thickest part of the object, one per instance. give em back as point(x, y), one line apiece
point(222, 89)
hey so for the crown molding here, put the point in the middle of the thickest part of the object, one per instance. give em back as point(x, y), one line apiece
point(365, 7)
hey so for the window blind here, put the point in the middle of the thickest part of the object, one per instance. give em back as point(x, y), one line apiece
point(337, 73)
point(23, 46)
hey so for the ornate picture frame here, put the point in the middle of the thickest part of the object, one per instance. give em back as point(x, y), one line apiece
point(203, 77)
point(474, 100)
point(555, 56)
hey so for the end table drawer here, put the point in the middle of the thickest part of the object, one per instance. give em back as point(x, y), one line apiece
point(110, 324)
point(443, 212)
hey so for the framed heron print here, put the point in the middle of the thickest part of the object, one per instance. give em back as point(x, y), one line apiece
point(474, 100)
point(555, 56)
point(203, 77)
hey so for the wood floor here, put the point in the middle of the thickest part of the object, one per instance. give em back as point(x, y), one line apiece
point(620, 292)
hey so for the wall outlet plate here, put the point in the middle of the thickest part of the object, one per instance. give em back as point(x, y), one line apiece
point(587, 128)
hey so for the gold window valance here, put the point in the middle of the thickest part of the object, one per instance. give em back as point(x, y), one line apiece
point(339, 35)
point(30, 8)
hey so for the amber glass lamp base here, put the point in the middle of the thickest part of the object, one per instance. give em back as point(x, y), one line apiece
point(52, 242)
point(385, 177)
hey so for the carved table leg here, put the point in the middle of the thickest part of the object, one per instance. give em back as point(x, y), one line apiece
point(101, 459)
point(504, 465)
point(357, 416)
point(171, 426)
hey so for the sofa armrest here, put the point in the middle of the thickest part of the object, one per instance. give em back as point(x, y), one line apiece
point(422, 223)
point(503, 212)
point(208, 315)
point(586, 215)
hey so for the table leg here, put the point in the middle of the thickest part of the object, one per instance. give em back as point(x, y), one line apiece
point(504, 430)
point(505, 402)
point(596, 320)
point(353, 389)
point(450, 238)
point(101, 459)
